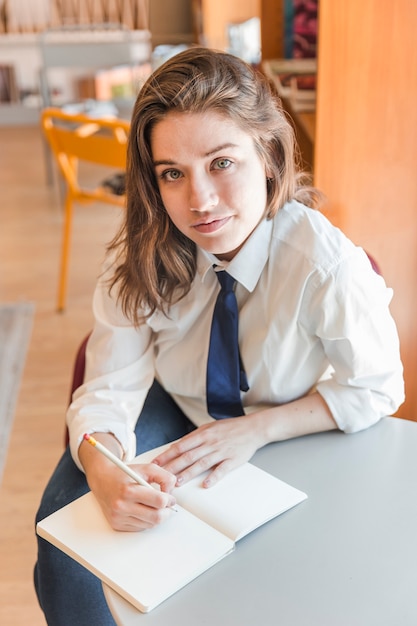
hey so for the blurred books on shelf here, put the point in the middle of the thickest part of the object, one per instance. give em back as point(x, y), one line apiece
point(295, 80)
point(9, 91)
point(303, 92)
point(118, 82)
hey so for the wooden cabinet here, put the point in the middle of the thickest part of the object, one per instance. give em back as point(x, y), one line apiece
point(365, 156)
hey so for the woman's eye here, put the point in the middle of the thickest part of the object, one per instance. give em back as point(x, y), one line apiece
point(222, 164)
point(171, 175)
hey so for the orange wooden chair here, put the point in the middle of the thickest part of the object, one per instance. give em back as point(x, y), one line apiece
point(74, 138)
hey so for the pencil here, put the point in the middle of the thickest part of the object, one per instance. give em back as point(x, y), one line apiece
point(125, 468)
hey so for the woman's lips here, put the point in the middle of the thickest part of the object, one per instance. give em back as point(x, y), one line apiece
point(212, 226)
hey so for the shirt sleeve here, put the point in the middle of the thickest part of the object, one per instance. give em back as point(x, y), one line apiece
point(119, 372)
point(349, 308)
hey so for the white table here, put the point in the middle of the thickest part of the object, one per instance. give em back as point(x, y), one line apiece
point(346, 557)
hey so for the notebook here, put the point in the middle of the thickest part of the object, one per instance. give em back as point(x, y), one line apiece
point(147, 567)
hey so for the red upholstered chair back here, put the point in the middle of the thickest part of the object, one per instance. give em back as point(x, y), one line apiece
point(374, 264)
point(77, 373)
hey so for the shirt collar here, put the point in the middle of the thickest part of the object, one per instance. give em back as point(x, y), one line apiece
point(247, 265)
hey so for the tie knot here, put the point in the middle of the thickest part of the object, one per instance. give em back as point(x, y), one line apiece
point(226, 281)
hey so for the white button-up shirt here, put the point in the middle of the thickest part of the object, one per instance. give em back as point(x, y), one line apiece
point(313, 314)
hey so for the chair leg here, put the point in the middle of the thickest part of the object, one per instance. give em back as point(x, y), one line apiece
point(65, 252)
point(48, 165)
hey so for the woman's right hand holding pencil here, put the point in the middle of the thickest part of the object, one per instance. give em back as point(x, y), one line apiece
point(127, 505)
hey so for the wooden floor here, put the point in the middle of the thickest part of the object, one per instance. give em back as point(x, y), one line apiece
point(30, 233)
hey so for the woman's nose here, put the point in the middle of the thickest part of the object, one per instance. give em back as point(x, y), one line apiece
point(202, 194)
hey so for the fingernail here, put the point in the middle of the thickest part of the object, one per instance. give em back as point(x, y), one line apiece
point(180, 480)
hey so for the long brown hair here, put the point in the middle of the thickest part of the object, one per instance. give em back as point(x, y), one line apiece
point(155, 262)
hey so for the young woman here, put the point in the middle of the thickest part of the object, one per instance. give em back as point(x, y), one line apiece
point(212, 185)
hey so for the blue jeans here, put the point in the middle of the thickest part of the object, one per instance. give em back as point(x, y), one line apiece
point(68, 594)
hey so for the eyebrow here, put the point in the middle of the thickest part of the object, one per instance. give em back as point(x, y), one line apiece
point(206, 154)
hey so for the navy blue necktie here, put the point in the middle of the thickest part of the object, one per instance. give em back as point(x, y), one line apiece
point(225, 374)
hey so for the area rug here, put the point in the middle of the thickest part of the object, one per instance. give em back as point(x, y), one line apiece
point(15, 328)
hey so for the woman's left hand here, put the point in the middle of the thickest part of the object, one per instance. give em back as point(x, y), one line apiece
point(219, 446)
point(223, 445)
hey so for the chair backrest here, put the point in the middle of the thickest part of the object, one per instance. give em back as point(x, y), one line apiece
point(79, 367)
point(375, 265)
point(77, 373)
point(78, 137)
